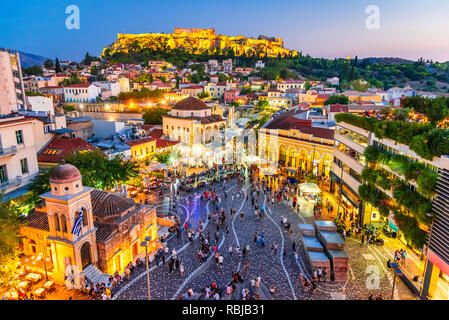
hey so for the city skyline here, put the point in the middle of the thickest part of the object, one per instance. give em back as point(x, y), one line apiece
point(329, 30)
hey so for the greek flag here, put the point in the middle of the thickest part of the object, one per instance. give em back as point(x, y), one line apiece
point(78, 224)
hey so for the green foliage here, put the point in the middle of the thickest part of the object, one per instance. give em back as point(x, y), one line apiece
point(340, 99)
point(88, 59)
point(377, 177)
point(435, 109)
point(73, 80)
point(360, 85)
point(263, 105)
point(69, 107)
point(49, 64)
point(409, 226)
point(413, 201)
point(426, 140)
point(57, 66)
point(34, 70)
point(9, 242)
point(144, 78)
point(369, 193)
point(142, 95)
point(425, 178)
point(311, 178)
point(163, 157)
point(154, 115)
point(203, 95)
point(34, 94)
point(383, 74)
point(101, 173)
point(371, 153)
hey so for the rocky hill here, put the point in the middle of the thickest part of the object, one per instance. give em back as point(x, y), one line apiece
point(200, 41)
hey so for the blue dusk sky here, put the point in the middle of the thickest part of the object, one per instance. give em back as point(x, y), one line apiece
point(326, 28)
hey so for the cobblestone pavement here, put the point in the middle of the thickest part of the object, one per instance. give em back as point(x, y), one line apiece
point(367, 267)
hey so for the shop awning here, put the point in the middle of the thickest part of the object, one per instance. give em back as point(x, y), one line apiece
point(392, 226)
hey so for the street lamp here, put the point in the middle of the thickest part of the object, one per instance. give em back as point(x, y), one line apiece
point(145, 244)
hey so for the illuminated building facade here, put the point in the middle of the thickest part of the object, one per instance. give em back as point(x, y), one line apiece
point(111, 227)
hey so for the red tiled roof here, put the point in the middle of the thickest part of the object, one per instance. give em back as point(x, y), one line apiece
point(156, 133)
point(164, 143)
point(104, 230)
point(105, 204)
point(193, 87)
point(60, 148)
point(338, 108)
point(305, 126)
point(190, 103)
point(81, 85)
point(37, 220)
point(146, 126)
point(323, 96)
point(136, 142)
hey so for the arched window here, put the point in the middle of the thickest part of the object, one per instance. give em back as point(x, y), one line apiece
point(63, 223)
point(56, 220)
point(85, 221)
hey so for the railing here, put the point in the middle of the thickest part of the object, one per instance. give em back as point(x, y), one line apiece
point(8, 151)
point(10, 183)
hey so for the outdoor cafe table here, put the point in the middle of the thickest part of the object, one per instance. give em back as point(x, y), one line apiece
point(23, 285)
point(34, 277)
point(40, 292)
point(49, 285)
point(12, 295)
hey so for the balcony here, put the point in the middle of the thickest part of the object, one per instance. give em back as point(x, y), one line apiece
point(5, 152)
point(351, 162)
point(11, 183)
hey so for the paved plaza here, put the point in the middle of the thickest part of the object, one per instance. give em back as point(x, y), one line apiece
point(367, 273)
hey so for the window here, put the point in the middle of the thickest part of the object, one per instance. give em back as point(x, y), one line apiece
point(19, 136)
point(85, 221)
point(56, 220)
point(63, 223)
point(3, 174)
point(24, 165)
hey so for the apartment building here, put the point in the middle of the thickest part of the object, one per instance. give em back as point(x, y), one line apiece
point(12, 90)
point(83, 92)
point(18, 162)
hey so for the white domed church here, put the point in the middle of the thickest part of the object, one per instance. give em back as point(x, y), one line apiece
point(80, 226)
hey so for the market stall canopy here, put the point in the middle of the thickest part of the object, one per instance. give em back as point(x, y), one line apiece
point(309, 187)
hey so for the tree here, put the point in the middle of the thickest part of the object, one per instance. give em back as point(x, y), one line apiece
point(94, 71)
point(34, 70)
point(360, 85)
point(203, 95)
point(263, 104)
point(9, 242)
point(57, 66)
point(340, 99)
point(87, 59)
point(100, 172)
point(307, 85)
point(48, 64)
point(163, 158)
point(154, 115)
